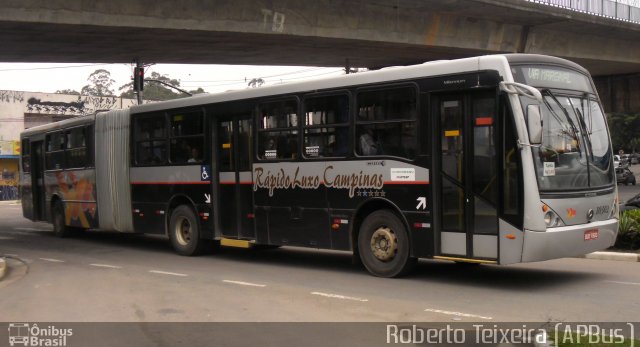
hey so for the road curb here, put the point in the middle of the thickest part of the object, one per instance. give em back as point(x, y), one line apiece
point(3, 268)
point(616, 256)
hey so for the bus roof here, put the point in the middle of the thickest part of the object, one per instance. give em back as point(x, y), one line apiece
point(67, 123)
point(441, 67)
point(499, 62)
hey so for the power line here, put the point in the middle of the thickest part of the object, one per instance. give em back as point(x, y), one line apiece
point(243, 82)
point(301, 77)
point(294, 72)
point(263, 77)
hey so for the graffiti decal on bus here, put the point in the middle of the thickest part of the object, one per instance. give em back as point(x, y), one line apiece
point(78, 193)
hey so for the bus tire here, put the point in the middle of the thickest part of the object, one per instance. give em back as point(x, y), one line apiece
point(184, 232)
point(384, 246)
point(60, 229)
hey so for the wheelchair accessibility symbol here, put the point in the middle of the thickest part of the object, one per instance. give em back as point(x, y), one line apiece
point(204, 173)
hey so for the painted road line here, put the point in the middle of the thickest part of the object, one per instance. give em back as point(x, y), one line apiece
point(52, 260)
point(23, 233)
point(457, 314)
point(627, 283)
point(338, 296)
point(107, 266)
point(31, 229)
point(168, 273)
point(245, 283)
point(7, 238)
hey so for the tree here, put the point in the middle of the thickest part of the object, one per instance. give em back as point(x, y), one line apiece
point(623, 129)
point(100, 84)
point(68, 92)
point(156, 91)
point(197, 91)
point(635, 144)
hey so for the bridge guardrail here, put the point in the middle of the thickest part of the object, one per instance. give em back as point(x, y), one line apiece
point(624, 10)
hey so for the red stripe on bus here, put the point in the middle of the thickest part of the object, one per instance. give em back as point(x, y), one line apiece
point(404, 182)
point(171, 183)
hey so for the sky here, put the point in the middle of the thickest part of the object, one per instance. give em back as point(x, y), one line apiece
point(48, 78)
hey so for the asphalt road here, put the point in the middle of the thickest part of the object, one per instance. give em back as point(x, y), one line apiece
point(135, 278)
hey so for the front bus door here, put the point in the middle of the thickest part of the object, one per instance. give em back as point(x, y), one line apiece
point(234, 150)
point(466, 166)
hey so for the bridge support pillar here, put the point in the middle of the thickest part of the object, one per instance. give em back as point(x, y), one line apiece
point(619, 93)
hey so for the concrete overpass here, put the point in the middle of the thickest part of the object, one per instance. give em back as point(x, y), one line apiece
point(370, 33)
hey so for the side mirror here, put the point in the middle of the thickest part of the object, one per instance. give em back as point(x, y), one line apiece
point(521, 89)
point(534, 123)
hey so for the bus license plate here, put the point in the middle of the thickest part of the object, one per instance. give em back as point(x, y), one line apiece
point(591, 234)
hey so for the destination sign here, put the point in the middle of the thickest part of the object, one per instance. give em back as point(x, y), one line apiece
point(548, 75)
point(551, 77)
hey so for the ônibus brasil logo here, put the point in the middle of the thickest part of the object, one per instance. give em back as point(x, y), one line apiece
point(25, 334)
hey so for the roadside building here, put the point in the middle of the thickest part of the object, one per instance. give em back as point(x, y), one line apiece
point(21, 110)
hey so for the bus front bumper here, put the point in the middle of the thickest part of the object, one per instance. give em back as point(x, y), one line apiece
point(569, 241)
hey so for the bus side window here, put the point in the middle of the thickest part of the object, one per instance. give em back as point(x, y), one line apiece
point(186, 145)
point(326, 128)
point(150, 136)
point(278, 132)
point(386, 123)
point(76, 153)
point(367, 143)
point(54, 156)
point(291, 151)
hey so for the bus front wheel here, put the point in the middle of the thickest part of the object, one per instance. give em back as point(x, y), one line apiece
point(383, 244)
point(60, 229)
point(184, 231)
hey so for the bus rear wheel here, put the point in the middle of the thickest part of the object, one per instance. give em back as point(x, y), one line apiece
point(60, 229)
point(184, 232)
point(383, 244)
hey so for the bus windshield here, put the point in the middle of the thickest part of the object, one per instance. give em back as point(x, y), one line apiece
point(575, 153)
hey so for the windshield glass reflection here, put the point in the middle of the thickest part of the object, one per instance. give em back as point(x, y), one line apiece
point(575, 152)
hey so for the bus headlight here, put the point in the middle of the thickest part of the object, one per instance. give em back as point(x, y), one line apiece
point(551, 219)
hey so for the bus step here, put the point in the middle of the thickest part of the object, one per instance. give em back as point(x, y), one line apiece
point(465, 260)
point(236, 243)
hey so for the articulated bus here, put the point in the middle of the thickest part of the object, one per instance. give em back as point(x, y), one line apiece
point(496, 159)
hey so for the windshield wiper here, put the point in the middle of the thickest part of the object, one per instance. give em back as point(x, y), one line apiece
point(574, 129)
point(585, 100)
point(587, 134)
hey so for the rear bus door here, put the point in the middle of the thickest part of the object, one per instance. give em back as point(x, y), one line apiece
point(234, 150)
